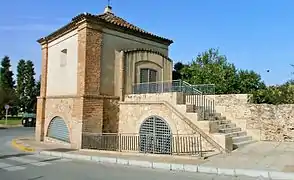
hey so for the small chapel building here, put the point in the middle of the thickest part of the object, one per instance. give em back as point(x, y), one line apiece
point(88, 66)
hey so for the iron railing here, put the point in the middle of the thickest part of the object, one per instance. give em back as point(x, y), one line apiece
point(144, 143)
point(163, 86)
point(197, 96)
point(205, 89)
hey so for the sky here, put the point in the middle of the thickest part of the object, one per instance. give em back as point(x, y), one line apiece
point(253, 34)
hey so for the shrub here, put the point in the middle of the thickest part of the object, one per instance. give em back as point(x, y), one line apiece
point(283, 94)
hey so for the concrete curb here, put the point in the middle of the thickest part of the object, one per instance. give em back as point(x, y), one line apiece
point(22, 147)
point(176, 167)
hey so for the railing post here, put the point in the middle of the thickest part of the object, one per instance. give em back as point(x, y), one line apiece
point(119, 142)
point(178, 144)
point(200, 145)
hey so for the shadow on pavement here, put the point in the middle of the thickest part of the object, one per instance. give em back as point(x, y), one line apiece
point(14, 155)
point(26, 154)
point(62, 150)
point(3, 128)
point(39, 177)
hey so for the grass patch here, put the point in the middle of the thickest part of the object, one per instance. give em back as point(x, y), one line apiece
point(11, 121)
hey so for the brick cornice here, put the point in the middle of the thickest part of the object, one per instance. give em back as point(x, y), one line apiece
point(89, 25)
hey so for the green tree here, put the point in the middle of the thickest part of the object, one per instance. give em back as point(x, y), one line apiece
point(38, 86)
point(29, 87)
point(282, 94)
point(6, 78)
point(249, 81)
point(7, 84)
point(20, 86)
point(177, 71)
point(6, 97)
point(210, 67)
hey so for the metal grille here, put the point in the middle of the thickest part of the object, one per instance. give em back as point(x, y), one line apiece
point(58, 130)
point(155, 136)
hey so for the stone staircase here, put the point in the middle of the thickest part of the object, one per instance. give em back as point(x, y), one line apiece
point(224, 126)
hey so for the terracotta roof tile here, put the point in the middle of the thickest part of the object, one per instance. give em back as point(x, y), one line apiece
point(110, 18)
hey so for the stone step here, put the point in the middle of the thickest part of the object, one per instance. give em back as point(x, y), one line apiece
point(229, 125)
point(242, 144)
point(240, 139)
point(236, 134)
point(230, 130)
point(201, 109)
point(213, 118)
point(221, 122)
point(191, 108)
point(220, 118)
point(211, 114)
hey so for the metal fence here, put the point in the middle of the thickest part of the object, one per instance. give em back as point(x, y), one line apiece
point(144, 143)
point(205, 89)
point(199, 96)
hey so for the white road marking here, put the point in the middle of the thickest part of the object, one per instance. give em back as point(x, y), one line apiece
point(28, 161)
point(32, 159)
point(4, 165)
point(10, 167)
point(15, 168)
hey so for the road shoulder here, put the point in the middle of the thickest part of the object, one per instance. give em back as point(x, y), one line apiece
point(20, 145)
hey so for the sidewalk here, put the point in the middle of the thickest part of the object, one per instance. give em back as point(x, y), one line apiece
point(266, 159)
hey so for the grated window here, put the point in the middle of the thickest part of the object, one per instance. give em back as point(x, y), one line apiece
point(155, 136)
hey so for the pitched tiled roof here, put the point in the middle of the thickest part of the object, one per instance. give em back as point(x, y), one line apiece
point(116, 22)
point(111, 18)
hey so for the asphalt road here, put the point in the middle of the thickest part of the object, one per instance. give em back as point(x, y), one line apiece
point(6, 135)
point(15, 165)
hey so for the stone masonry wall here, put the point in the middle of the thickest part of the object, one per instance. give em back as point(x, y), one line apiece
point(132, 116)
point(262, 121)
point(275, 122)
point(64, 108)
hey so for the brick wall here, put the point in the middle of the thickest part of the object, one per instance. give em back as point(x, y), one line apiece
point(92, 115)
point(110, 115)
point(89, 57)
point(40, 117)
point(89, 60)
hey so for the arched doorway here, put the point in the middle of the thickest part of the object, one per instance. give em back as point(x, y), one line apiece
point(58, 130)
point(155, 136)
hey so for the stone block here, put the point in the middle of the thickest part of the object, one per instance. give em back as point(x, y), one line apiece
point(146, 164)
point(177, 167)
point(206, 169)
point(213, 127)
point(165, 166)
point(190, 168)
